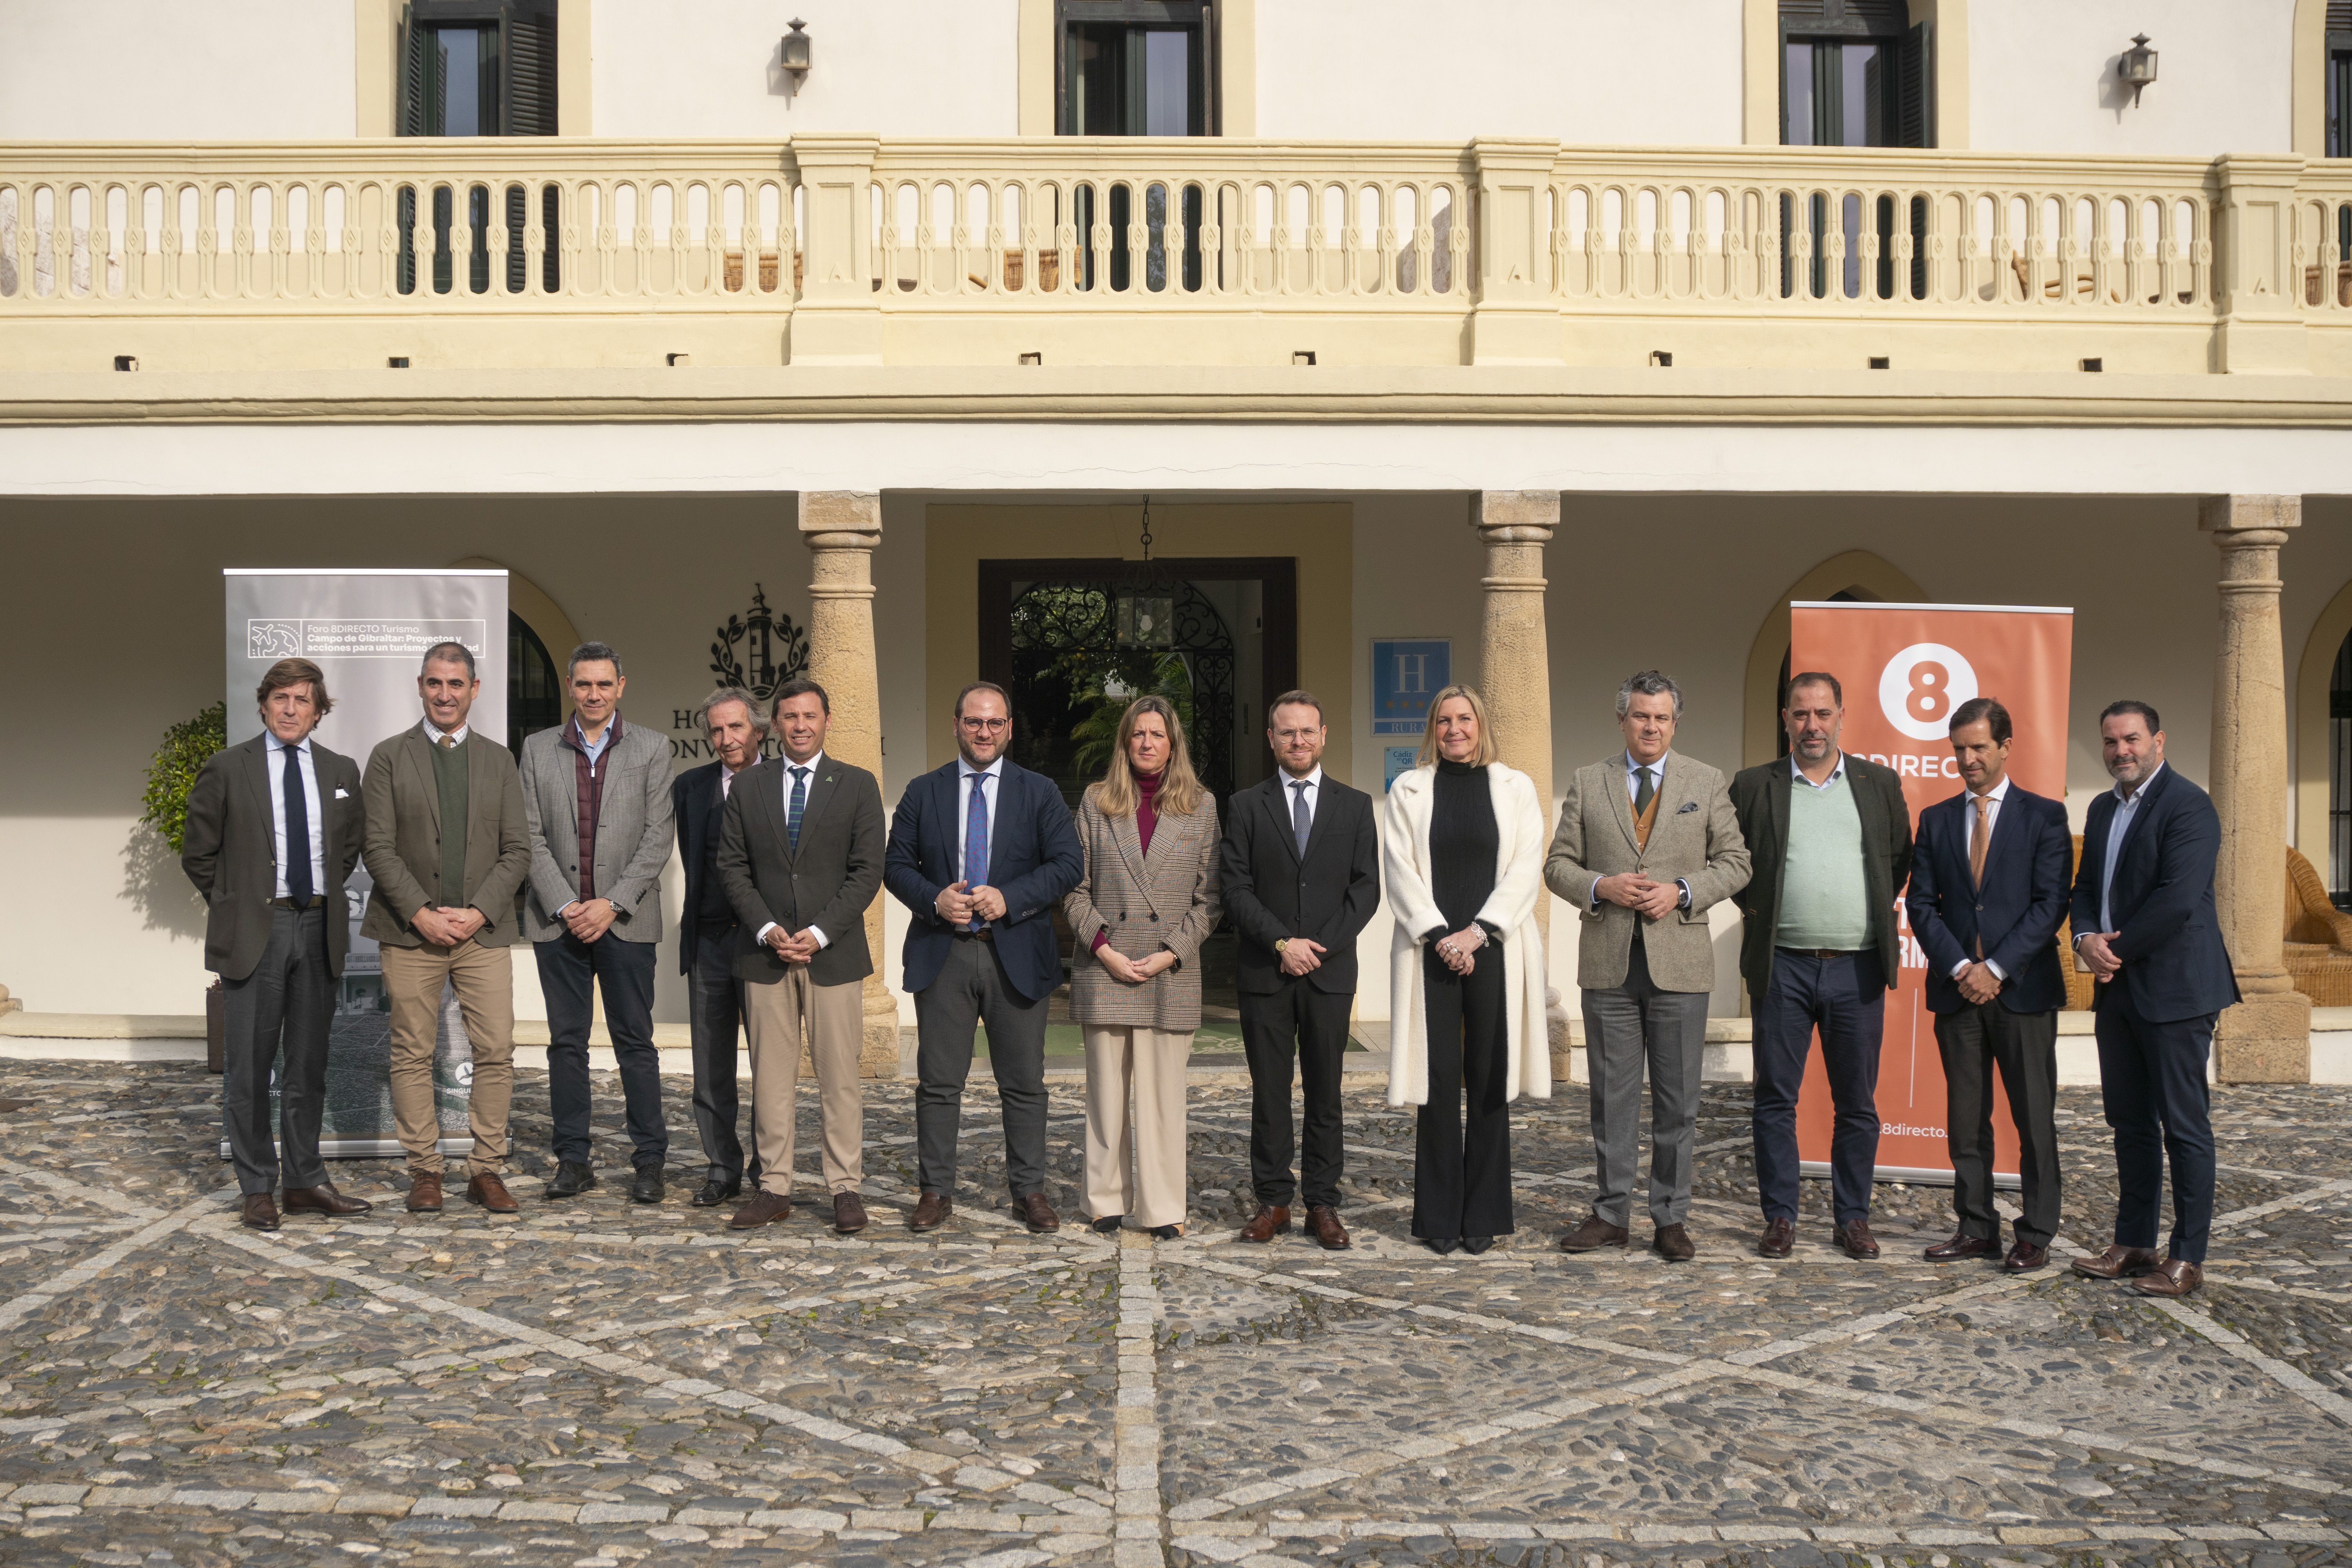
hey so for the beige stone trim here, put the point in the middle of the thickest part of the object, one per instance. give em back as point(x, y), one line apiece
point(1950, 20)
point(375, 58)
point(1759, 39)
point(2307, 125)
point(1237, 67)
point(1856, 571)
point(1514, 646)
point(1036, 69)
point(575, 78)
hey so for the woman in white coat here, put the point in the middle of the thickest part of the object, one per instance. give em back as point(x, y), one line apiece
point(1463, 849)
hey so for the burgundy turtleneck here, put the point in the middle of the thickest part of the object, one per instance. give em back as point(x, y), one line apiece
point(1147, 790)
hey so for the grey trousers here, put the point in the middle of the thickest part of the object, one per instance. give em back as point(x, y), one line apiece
point(971, 989)
point(1625, 1027)
point(288, 1000)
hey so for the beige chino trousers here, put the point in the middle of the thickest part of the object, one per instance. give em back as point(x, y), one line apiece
point(1135, 1164)
point(833, 1018)
point(484, 979)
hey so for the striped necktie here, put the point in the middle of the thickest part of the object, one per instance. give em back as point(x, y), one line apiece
point(792, 808)
point(975, 840)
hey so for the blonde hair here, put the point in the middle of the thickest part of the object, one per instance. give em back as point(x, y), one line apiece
point(1180, 787)
point(1488, 749)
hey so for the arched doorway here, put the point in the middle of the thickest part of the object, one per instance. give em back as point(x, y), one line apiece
point(534, 684)
point(1855, 574)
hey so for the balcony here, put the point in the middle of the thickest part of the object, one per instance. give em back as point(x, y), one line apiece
point(543, 254)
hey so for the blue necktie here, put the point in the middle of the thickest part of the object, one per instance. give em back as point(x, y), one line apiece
point(1301, 825)
point(792, 808)
point(298, 830)
point(975, 840)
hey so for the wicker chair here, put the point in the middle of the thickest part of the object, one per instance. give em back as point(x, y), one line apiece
point(2318, 937)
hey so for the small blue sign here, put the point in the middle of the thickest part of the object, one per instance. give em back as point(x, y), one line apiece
point(1396, 761)
point(1406, 672)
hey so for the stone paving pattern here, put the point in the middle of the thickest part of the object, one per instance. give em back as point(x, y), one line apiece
point(600, 1383)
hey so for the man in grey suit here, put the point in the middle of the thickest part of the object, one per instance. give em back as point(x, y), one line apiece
point(799, 853)
point(596, 794)
point(273, 828)
point(447, 846)
point(1647, 844)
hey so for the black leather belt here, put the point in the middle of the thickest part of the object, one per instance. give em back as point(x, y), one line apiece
point(984, 933)
point(289, 904)
point(1823, 952)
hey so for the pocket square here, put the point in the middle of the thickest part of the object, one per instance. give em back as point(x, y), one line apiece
point(342, 794)
point(1686, 806)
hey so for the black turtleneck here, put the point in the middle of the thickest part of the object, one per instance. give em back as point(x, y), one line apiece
point(1462, 843)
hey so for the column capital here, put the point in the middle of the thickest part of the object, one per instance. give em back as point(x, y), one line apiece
point(1513, 517)
point(2241, 523)
point(841, 519)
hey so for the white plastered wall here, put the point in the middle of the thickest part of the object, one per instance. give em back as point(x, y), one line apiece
point(166, 70)
point(2042, 77)
point(713, 68)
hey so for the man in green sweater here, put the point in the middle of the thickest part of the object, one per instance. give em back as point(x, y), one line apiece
point(1831, 841)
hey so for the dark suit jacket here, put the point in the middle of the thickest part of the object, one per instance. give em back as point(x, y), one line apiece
point(402, 845)
point(1760, 797)
point(1034, 859)
point(828, 884)
point(2017, 911)
point(694, 806)
point(229, 851)
point(2168, 935)
point(1272, 893)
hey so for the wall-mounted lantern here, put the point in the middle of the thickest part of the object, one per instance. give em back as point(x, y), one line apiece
point(2137, 65)
point(796, 52)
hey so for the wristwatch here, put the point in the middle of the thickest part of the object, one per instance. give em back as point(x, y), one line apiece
point(1281, 943)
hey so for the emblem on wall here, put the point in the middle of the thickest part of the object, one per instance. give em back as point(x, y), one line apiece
point(758, 650)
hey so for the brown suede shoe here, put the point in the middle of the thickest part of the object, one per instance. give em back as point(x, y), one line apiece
point(2171, 1279)
point(765, 1208)
point(2024, 1259)
point(1673, 1243)
point(1779, 1237)
point(323, 1199)
point(2118, 1262)
point(848, 1214)
point(1323, 1224)
point(260, 1212)
point(1593, 1235)
point(1037, 1214)
point(1855, 1238)
point(425, 1192)
point(932, 1211)
point(1270, 1221)
point(484, 1190)
point(1961, 1247)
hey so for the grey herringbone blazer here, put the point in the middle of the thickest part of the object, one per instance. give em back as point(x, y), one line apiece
point(1166, 898)
point(633, 830)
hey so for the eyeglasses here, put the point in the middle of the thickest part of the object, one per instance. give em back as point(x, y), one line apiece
point(1298, 735)
point(986, 726)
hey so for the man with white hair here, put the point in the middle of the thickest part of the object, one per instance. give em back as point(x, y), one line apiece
point(707, 928)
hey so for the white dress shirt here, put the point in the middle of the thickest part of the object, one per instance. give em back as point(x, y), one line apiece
point(456, 736)
point(2127, 807)
point(1633, 771)
point(786, 763)
point(273, 754)
point(964, 776)
point(1312, 794)
point(1992, 819)
point(1796, 769)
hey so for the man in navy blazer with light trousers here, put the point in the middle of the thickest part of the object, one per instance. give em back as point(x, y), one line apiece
point(980, 853)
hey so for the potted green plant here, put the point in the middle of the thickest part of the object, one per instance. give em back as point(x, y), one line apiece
point(170, 774)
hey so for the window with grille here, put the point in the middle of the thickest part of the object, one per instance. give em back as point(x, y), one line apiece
point(1136, 68)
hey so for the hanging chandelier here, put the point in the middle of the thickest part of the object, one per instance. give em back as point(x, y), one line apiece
point(1144, 598)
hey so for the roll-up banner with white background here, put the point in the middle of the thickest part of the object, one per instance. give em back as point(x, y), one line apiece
point(367, 631)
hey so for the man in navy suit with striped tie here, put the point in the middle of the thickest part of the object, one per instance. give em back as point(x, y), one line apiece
point(980, 853)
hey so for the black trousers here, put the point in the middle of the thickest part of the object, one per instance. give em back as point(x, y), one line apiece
point(287, 1001)
point(567, 968)
point(2152, 1079)
point(1295, 1022)
point(1844, 996)
point(715, 1016)
point(1461, 1140)
point(1974, 1040)
point(971, 988)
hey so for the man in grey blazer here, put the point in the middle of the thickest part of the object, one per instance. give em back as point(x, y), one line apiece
point(596, 794)
point(799, 853)
point(1647, 844)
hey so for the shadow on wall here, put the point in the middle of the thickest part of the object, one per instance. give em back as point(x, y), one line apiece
point(2115, 92)
point(155, 884)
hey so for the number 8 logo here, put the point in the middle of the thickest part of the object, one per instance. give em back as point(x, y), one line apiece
point(1921, 686)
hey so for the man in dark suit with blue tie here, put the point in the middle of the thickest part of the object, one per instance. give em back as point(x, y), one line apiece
point(980, 853)
point(1987, 894)
point(2145, 925)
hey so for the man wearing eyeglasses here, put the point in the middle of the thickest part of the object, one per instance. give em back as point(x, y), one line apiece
point(980, 852)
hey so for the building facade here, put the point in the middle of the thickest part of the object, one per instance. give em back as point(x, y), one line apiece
point(1575, 336)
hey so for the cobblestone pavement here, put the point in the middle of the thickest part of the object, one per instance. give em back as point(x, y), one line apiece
point(595, 1382)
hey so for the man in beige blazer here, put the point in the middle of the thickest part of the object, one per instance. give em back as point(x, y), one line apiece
point(1647, 843)
point(447, 846)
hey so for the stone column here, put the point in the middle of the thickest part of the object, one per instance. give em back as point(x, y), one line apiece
point(842, 528)
point(2266, 1038)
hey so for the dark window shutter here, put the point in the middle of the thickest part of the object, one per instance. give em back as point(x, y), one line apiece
point(419, 63)
point(1916, 117)
point(2339, 15)
point(530, 70)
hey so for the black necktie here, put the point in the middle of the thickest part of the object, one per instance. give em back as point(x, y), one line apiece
point(297, 831)
point(1644, 792)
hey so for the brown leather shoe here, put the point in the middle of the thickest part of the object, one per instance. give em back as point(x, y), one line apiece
point(260, 1212)
point(765, 1208)
point(1037, 1214)
point(2118, 1262)
point(1323, 1224)
point(425, 1192)
point(2024, 1259)
point(1673, 1243)
point(485, 1190)
point(1855, 1238)
point(932, 1211)
point(1593, 1235)
point(848, 1214)
point(2171, 1279)
point(1779, 1237)
point(1961, 1247)
point(323, 1199)
point(1270, 1221)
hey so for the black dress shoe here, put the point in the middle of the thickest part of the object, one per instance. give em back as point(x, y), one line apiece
point(1166, 1232)
point(1961, 1247)
point(1107, 1224)
point(1474, 1245)
point(572, 1178)
point(1441, 1245)
point(714, 1192)
point(2024, 1259)
point(646, 1188)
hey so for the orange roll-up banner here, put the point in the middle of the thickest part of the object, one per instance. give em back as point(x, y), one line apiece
point(1904, 668)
